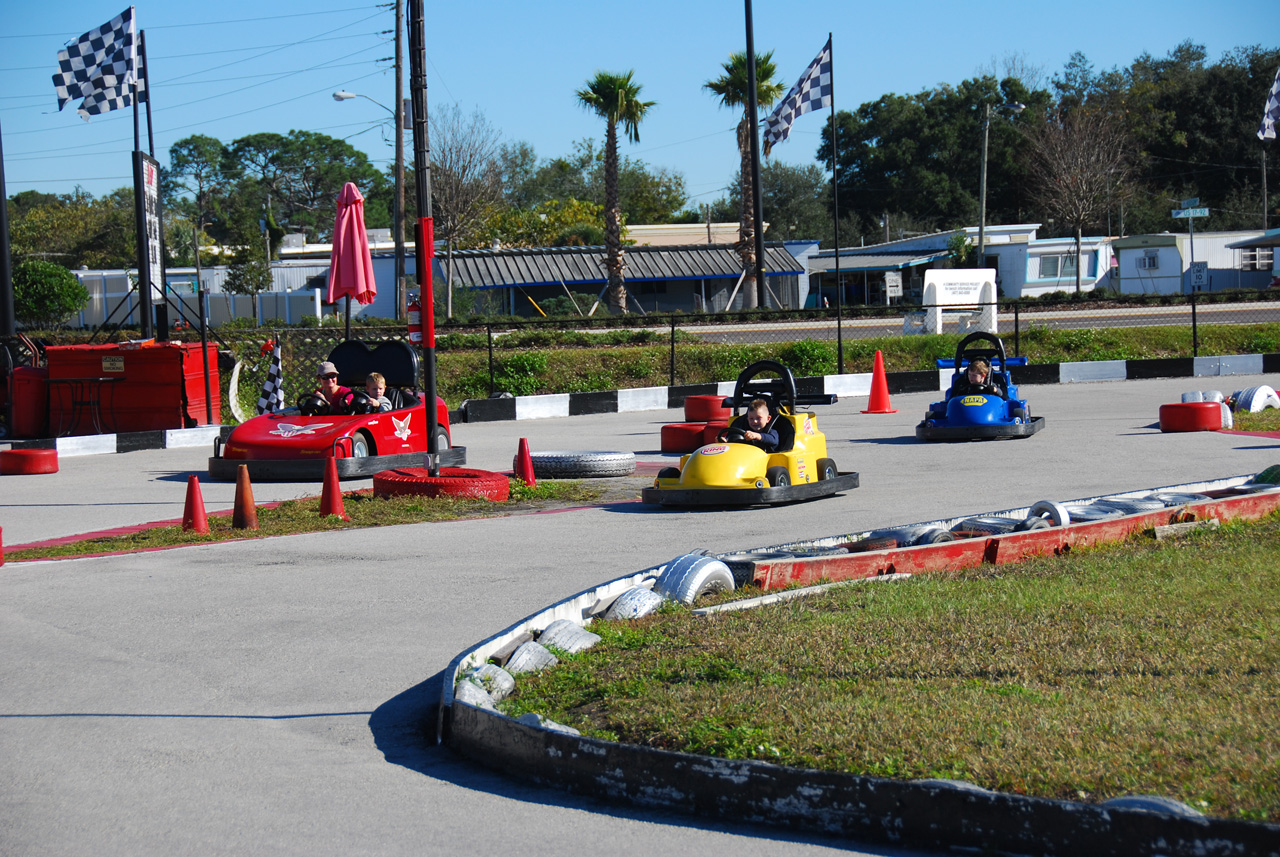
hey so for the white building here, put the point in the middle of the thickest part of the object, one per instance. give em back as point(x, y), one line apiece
point(1163, 264)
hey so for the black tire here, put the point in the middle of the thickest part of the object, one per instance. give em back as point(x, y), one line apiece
point(669, 473)
point(827, 469)
point(582, 465)
point(778, 477)
point(442, 439)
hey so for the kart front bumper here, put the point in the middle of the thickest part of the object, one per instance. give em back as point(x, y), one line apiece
point(749, 496)
point(978, 432)
point(312, 469)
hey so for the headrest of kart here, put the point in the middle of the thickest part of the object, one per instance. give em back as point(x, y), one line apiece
point(313, 405)
point(397, 361)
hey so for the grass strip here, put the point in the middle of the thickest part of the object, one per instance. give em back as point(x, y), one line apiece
point(292, 517)
point(1134, 668)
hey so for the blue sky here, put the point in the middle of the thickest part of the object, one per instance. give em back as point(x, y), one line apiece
point(239, 67)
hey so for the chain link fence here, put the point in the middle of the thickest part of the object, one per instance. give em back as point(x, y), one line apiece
point(478, 360)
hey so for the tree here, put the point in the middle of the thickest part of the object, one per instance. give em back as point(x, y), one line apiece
point(733, 89)
point(195, 187)
point(616, 99)
point(46, 294)
point(1080, 164)
point(796, 201)
point(556, 223)
point(77, 229)
point(464, 179)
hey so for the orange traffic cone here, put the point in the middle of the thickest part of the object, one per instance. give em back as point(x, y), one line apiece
point(244, 516)
point(523, 464)
point(193, 516)
point(879, 403)
point(331, 497)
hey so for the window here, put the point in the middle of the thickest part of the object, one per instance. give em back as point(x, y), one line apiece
point(1057, 266)
point(1148, 262)
point(1256, 259)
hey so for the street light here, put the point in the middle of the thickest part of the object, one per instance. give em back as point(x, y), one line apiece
point(1014, 108)
point(397, 229)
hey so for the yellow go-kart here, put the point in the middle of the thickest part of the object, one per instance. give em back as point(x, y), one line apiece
point(734, 472)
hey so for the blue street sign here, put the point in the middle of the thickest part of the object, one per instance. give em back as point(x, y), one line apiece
point(1190, 212)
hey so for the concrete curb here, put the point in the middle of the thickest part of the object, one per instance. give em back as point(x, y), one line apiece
point(99, 444)
point(921, 814)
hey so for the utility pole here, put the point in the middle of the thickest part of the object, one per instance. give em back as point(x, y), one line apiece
point(398, 216)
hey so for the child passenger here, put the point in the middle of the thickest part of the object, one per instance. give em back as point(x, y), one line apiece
point(376, 388)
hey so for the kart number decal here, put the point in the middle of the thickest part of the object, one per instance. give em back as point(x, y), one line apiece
point(808, 425)
point(714, 449)
point(973, 400)
point(402, 427)
point(293, 430)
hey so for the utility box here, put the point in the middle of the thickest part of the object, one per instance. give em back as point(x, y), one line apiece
point(130, 387)
point(29, 398)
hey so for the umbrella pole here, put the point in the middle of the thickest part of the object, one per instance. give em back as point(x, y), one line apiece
point(348, 316)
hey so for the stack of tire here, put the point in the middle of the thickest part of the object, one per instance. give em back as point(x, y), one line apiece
point(1209, 410)
point(705, 417)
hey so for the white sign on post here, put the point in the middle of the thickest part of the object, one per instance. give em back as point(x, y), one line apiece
point(893, 284)
point(1199, 274)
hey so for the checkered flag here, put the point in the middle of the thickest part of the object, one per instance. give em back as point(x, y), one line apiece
point(99, 68)
point(1267, 130)
point(811, 92)
point(272, 399)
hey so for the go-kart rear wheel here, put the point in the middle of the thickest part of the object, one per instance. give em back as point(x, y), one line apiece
point(778, 477)
point(442, 439)
point(669, 473)
point(827, 469)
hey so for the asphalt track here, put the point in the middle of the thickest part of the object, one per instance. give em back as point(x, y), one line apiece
point(258, 697)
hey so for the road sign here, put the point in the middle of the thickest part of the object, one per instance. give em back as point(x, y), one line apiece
point(893, 284)
point(1188, 203)
point(1199, 274)
point(1190, 212)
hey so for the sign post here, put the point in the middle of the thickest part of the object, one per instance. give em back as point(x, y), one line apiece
point(1191, 214)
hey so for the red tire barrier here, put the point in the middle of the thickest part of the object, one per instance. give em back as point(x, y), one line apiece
point(705, 409)
point(682, 437)
point(15, 462)
point(711, 433)
point(452, 482)
point(1191, 416)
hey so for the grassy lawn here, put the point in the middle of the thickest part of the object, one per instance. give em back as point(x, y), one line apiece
point(1136, 668)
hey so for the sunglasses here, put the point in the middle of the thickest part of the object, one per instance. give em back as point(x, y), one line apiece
point(330, 377)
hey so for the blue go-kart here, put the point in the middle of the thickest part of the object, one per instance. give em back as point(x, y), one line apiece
point(992, 410)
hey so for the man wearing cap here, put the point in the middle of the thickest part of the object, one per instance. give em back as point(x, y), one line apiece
point(337, 396)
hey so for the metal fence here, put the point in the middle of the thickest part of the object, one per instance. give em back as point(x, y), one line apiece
point(481, 359)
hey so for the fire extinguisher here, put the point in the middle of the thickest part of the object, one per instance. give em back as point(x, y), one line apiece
point(414, 310)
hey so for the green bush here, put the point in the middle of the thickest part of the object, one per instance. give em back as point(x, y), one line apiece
point(808, 357)
point(46, 294)
point(521, 373)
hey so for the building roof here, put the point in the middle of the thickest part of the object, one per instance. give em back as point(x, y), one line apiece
point(875, 261)
point(1270, 238)
point(489, 269)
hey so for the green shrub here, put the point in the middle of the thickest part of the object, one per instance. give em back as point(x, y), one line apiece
point(521, 373)
point(46, 294)
point(808, 357)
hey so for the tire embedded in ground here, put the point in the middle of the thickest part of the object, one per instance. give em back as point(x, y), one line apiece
point(690, 576)
point(452, 482)
point(567, 464)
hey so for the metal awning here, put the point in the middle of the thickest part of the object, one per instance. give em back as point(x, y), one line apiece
point(1270, 238)
point(551, 266)
point(875, 261)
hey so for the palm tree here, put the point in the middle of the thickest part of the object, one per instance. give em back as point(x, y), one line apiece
point(616, 98)
point(733, 92)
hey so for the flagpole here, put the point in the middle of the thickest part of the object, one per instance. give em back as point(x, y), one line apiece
point(140, 91)
point(7, 318)
point(835, 204)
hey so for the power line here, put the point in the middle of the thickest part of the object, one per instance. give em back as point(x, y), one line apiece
point(309, 14)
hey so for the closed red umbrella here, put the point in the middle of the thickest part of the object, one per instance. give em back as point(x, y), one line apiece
point(350, 265)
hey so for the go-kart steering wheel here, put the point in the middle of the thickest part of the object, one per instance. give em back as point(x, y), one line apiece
point(732, 434)
point(313, 404)
point(361, 403)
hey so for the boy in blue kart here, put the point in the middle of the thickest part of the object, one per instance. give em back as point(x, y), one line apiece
point(977, 380)
point(756, 426)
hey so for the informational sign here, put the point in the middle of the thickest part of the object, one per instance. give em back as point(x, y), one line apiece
point(893, 284)
point(1190, 212)
point(147, 192)
point(1191, 203)
point(1199, 274)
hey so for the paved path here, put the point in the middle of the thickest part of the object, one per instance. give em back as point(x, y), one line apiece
point(258, 696)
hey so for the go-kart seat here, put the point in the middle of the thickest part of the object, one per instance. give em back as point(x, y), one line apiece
point(400, 398)
point(786, 433)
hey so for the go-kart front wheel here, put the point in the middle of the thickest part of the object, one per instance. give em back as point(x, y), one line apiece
point(827, 469)
point(778, 477)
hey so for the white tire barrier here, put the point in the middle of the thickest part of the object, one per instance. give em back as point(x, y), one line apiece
point(1255, 399)
point(531, 657)
point(635, 602)
point(688, 577)
point(1193, 396)
point(567, 464)
point(535, 719)
point(492, 679)
point(1055, 513)
point(473, 694)
point(568, 637)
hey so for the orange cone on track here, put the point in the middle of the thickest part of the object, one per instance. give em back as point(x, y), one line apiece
point(523, 464)
point(879, 403)
point(331, 497)
point(244, 516)
point(193, 516)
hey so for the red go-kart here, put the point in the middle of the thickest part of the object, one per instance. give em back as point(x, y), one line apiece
point(296, 444)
